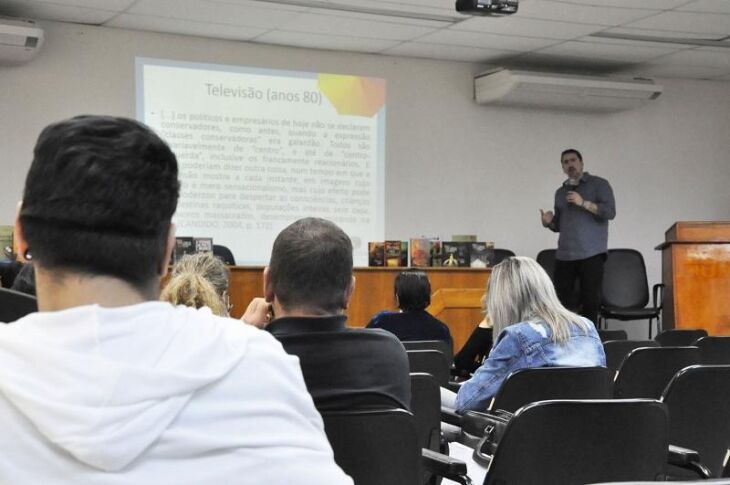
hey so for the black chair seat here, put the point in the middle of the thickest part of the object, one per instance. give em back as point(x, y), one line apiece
point(432, 362)
point(617, 350)
point(15, 305)
point(679, 337)
point(646, 371)
point(627, 314)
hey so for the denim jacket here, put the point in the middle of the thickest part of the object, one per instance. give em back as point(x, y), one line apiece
point(525, 345)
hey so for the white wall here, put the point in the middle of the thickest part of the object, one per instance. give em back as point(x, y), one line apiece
point(452, 166)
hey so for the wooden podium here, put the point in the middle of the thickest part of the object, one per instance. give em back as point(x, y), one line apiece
point(696, 275)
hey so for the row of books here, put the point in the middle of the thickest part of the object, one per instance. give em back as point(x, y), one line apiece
point(431, 253)
point(191, 245)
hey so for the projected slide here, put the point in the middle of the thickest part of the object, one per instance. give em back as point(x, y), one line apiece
point(259, 149)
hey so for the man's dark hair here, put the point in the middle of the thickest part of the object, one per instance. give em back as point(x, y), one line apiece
point(573, 151)
point(413, 290)
point(99, 197)
point(311, 266)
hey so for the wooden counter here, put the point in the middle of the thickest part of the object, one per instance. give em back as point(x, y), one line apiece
point(374, 288)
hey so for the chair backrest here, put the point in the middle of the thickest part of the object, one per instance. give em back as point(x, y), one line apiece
point(500, 255)
point(698, 399)
point(579, 442)
point(546, 259)
point(431, 362)
point(439, 345)
point(624, 280)
point(526, 386)
point(719, 481)
point(607, 335)
point(617, 350)
point(426, 408)
point(224, 254)
point(15, 305)
point(679, 337)
point(714, 350)
point(646, 371)
point(375, 447)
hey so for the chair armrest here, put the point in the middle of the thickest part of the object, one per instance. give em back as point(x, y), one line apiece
point(454, 385)
point(450, 416)
point(657, 295)
point(687, 459)
point(445, 466)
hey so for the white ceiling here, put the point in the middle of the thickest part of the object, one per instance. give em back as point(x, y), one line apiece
point(544, 34)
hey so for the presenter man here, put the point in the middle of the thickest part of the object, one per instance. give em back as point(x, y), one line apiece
point(584, 204)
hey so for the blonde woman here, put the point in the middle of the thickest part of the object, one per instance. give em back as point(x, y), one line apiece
point(199, 280)
point(533, 330)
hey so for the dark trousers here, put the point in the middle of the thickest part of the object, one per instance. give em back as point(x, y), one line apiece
point(578, 285)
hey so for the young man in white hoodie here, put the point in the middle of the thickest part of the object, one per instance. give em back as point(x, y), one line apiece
point(107, 385)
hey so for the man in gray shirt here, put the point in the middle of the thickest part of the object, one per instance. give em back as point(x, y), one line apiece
point(583, 206)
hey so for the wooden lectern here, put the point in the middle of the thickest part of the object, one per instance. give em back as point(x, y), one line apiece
point(696, 275)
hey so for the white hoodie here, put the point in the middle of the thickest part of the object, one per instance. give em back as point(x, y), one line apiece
point(153, 393)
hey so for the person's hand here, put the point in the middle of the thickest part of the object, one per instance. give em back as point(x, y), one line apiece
point(547, 217)
point(575, 198)
point(258, 313)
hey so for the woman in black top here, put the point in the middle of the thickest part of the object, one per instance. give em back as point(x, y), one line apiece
point(475, 350)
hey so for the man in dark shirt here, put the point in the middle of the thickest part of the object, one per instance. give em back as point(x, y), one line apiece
point(583, 206)
point(308, 285)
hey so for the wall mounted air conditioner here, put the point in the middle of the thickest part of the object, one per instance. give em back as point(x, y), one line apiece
point(20, 40)
point(559, 91)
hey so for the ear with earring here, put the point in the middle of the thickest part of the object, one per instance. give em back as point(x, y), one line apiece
point(27, 255)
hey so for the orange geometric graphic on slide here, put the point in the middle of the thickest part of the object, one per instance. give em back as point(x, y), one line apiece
point(353, 95)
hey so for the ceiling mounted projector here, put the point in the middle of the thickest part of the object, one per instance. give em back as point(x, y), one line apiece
point(493, 8)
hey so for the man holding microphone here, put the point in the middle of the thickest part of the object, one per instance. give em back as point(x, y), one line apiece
point(583, 206)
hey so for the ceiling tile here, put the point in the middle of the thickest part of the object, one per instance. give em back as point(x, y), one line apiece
point(714, 6)
point(715, 58)
point(184, 27)
point(703, 23)
point(641, 4)
point(586, 14)
point(611, 51)
point(433, 24)
point(51, 11)
point(448, 52)
point(486, 41)
point(346, 26)
point(438, 7)
point(658, 33)
point(115, 5)
point(261, 4)
point(214, 12)
point(680, 72)
point(319, 41)
point(527, 27)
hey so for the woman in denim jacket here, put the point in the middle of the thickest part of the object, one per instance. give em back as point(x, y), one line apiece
point(534, 330)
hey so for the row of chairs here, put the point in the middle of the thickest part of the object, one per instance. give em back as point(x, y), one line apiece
point(675, 337)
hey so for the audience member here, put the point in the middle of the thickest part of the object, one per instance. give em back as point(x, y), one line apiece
point(475, 350)
point(25, 280)
point(308, 285)
point(413, 322)
point(108, 385)
point(199, 280)
point(533, 330)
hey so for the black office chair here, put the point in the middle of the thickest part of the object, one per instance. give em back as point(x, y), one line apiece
point(376, 447)
point(431, 362)
point(15, 305)
point(439, 345)
point(714, 350)
point(426, 409)
point(646, 371)
point(698, 399)
point(500, 255)
point(607, 335)
point(625, 291)
point(579, 442)
point(617, 350)
point(679, 337)
point(225, 254)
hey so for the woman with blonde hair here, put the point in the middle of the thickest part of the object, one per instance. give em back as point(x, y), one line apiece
point(199, 280)
point(533, 330)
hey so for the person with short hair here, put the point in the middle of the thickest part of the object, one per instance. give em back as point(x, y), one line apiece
point(413, 322)
point(106, 384)
point(199, 280)
point(308, 285)
point(533, 330)
point(584, 204)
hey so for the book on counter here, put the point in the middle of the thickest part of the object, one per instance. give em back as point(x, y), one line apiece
point(191, 245)
point(456, 253)
point(464, 238)
point(203, 244)
point(481, 254)
point(392, 253)
point(376, 253)
point(420, 253)
point(403, 254)
point(436, 252)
